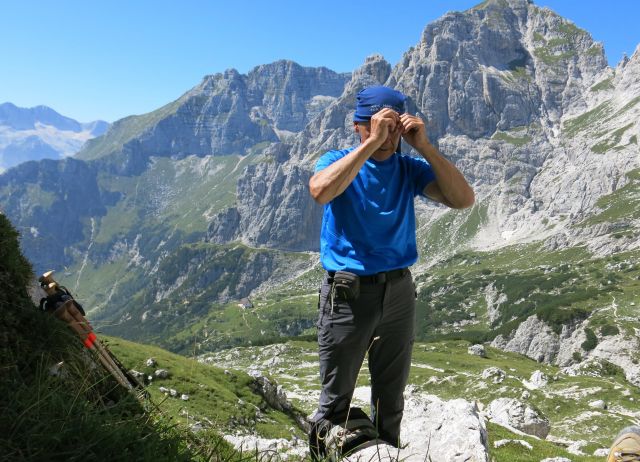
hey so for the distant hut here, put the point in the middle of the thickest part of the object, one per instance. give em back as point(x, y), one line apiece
point(245, 303)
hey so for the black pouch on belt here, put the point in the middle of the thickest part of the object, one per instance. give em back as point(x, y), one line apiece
point(346, 285)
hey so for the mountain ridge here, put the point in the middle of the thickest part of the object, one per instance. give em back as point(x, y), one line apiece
point(41, 133)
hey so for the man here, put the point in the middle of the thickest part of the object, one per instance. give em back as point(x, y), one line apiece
point(368, 241)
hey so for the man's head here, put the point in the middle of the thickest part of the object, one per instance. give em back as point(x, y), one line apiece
point(372, 100)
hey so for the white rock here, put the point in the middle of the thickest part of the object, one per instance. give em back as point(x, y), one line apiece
point(598, 404)
point(513, 413)
point(161, 373)
point(556, 459)
point(496, 374)
point(151, 362)
point(576, 448)
point(173, 392)
point(601, 452)
point(477, 350)
point(450, 430)
point(538, 380)
point(184, 397)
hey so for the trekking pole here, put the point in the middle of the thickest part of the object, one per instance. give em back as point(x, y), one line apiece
point(67, 310)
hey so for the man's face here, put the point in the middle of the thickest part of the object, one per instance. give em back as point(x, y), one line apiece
point(391, 143)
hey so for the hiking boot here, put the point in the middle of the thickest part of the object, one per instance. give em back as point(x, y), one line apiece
point(626, 447)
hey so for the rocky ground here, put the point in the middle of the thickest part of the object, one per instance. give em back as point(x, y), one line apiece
point(461, 405)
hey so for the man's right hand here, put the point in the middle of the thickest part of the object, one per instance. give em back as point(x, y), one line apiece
point(384, 123)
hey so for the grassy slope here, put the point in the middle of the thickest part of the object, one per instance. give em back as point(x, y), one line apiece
point(124, 130)
point(222, 398)
point(80, 414)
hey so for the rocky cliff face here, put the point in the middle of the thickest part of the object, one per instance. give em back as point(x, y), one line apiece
point(502, 87)
point(227, 113)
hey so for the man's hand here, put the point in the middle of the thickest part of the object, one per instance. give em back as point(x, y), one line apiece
point(384, 123)
point(414, 131)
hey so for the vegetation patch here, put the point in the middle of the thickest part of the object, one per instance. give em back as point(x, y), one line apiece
point(612, 140)
point(574, 126)
point(605, 84)
point(515, 140)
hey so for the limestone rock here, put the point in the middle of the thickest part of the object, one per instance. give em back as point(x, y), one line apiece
point(450, 430)
point(495, 374)
point(477, 350)
point(513, 413)
point(161, 374)
point(538, 380)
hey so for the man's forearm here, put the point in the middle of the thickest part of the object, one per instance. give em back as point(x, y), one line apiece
point(330, 182)
point(452, 184)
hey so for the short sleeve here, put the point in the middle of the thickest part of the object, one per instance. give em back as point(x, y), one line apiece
point(329, 158)
point(422, 174)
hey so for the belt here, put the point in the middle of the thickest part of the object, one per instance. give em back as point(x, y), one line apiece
point(378, 278)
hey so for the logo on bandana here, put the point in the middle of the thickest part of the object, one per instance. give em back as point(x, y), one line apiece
point(378, 107)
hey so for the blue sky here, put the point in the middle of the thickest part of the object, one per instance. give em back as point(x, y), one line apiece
point(107, 60)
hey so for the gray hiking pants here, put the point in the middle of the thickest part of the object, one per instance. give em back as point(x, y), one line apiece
point(382, 321)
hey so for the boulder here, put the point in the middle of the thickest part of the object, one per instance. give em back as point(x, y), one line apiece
point(442, 430)
point(512, 413)
point(477, 350)
point(161, 374)
point(495, 374)
point(538, 380)
point(598, 404)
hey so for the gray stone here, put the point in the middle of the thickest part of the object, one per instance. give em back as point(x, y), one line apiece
point(598, 404)
point(495, 374)
point(442, 430)
point(513, 413)
point(477, 350)
point(161, 374)
point(538, 380)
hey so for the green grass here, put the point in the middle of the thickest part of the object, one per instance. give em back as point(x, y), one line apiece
point(619, 206)
point(603, 85)
point(514, 452)
point(124, 130)
point(560, 288)
point(81, 413)
point(451, 231)
point(574, 126)
point(612, 140)
point(516, 141)
point(222, 398)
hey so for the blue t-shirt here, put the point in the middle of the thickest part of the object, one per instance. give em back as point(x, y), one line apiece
point(371, 226)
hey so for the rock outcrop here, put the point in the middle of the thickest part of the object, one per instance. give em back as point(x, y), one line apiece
point(512, 413)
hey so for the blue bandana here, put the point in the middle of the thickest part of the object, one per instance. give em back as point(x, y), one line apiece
point(372, 99)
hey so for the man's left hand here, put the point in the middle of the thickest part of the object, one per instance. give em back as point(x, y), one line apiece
point(414, 131)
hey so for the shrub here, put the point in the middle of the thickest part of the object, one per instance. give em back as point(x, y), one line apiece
point(591, 341)
point(609, 329)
